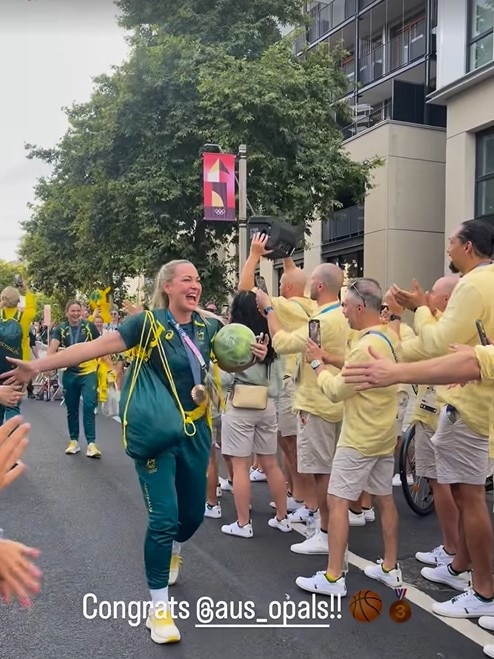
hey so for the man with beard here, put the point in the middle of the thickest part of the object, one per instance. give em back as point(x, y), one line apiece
point(461, 440)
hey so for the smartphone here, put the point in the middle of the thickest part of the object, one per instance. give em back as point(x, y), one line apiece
point(18, 281)
point(482, 333)
point(315, 331)
point(261, 284)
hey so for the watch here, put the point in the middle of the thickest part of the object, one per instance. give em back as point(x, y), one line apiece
point(395, 317)
point(267, 310)
point(315, 363)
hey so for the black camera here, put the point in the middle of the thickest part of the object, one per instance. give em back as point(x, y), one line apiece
point(283, 238)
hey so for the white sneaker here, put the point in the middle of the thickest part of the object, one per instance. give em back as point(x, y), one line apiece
point(301, 515)
point(291, 504)
point(356, 519)
point(314, 545)
point(487, 622)
point(466, 605)
point(219, 491)
point(320, 585)
point(370, 515)
point(240, 531)
point(393, 579)
point(163, 628)
point(72, 447)
point(175, 563)
point(257, 476)
point(397, 480)
point(489, 650)
point(280, 524)
point(438, 556)
point(214, 512)
point(443, 574)
point(225, 485)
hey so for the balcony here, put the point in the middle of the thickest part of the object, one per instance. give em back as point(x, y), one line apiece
point(328, 16)
point(400, 51)
point(345, 223)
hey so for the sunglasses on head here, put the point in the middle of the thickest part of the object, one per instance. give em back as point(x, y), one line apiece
point(353, 287)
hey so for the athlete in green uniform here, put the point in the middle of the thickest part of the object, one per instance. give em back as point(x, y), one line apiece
point(79, 380)
point(174, 482)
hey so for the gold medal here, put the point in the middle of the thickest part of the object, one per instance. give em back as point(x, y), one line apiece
point(199, 394)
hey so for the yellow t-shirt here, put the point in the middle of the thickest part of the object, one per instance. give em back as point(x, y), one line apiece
point(369, 417)
point(470, 300)
point(308, 396)
point(293, 313)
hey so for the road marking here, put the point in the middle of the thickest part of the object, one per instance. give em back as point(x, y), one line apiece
point(463, 626)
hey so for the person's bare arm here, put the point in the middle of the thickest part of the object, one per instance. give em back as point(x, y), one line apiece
point(461, 366)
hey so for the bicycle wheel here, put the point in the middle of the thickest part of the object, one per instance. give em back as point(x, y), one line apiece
point(418, 494)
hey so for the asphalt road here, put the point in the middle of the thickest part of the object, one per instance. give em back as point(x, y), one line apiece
point(89, 520)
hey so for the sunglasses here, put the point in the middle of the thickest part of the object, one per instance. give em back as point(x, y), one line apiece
point(353, 287)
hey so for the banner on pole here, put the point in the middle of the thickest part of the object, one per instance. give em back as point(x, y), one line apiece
point(47, 315)
point(219, 186)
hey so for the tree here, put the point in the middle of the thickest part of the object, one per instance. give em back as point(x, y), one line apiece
point(8, 271)
point(125, 194)
point(244, 28)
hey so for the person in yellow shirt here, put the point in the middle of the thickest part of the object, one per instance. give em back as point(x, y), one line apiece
point(364, 458)
point(293, 309)
point(425, 418)
point(319, 419)
point(462, 437)
point(14, 333)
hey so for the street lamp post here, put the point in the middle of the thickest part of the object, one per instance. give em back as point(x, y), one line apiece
point(242, 207)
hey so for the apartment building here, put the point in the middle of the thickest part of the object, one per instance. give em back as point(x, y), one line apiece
point(392, 70)
point(465, 87)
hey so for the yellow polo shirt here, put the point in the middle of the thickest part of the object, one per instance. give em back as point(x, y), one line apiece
point(293, 313)
point(485, 357)
point(334, 333)
point(470, 300)
point(369, 417)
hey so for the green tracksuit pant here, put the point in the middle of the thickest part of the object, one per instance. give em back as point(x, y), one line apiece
point(75, 386)
point(7, 413)
point(174, 489)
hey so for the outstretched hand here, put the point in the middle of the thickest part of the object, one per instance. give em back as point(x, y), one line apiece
point(13, 443)
point(23, 372)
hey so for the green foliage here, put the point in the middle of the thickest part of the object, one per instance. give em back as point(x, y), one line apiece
point(125, 195)
point(8, 271)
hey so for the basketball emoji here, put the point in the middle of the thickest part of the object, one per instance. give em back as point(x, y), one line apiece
point(366, 605)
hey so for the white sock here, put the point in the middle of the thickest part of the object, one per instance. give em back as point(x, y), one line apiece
point(177, 547)
point(159, 598)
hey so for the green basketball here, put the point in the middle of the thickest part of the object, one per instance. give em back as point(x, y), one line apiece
point(232, 346)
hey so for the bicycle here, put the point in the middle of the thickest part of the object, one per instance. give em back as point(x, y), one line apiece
point(418, 494)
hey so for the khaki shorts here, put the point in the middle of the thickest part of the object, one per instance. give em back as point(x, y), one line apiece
point(462, 456)
point(316, 444)
point(425, 458)
point(354, 473)
point(244, 432)
point(287, 418)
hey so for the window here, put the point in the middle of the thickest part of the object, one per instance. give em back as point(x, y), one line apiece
point(480, 41)
point(484, 179)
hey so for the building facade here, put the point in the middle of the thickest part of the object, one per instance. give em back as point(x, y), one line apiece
point(465, 87)
point(421, 91)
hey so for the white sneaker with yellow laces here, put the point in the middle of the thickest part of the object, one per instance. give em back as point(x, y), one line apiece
point(162, 626)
